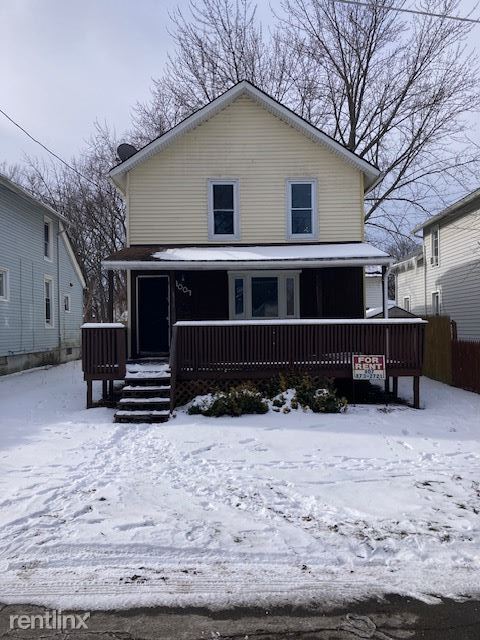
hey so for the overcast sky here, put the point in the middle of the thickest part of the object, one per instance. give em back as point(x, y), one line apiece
point(66, 63)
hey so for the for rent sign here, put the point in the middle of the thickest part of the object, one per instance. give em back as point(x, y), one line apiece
point(368, 367)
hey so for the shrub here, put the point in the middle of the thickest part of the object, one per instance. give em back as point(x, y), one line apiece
point(319, 399)
point(236, 401)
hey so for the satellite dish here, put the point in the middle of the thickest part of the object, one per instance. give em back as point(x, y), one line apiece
point(125, 151)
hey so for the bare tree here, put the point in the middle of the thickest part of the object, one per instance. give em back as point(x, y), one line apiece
point(217, 44)
point(94, 211)
point(396, 92)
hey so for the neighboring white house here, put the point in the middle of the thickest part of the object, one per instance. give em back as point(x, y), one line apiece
point(373, 287)
point(443, 277)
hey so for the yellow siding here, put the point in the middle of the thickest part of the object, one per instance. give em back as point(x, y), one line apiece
point(167, 194)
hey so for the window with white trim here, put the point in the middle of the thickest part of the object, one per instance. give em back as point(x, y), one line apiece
point(435, 239)
point(3, 284)
point(257, 295)
point(436, 303)
point(301, 209)
point(48, 300)
point(406, 303)
point(47, 239)
point(223, 217)
point(67, 302)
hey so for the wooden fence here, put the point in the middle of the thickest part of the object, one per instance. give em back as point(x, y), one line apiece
point(437, 363)
point(455, 362)
point(466, 365)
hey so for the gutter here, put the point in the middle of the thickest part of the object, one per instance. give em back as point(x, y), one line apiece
point(188, 265)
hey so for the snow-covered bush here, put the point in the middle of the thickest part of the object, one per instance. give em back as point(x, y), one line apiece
point(234, 402)
point(319, 399)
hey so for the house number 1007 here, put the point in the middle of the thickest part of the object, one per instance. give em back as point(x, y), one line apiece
point(181, 287)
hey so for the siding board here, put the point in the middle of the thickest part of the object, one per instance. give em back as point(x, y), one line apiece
point(167, 194)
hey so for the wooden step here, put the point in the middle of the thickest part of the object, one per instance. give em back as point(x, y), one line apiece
point(147, 415)
point(156, 402)
point(146, 391)
point(154, 378)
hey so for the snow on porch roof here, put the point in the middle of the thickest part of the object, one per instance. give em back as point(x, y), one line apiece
point(261, 256)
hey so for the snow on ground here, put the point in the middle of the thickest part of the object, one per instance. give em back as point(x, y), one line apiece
point(255, 510)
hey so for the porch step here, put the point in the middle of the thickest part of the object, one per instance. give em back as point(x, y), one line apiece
point(142, 415)
point(152, 379)
point(146, 391)
point(156, 402)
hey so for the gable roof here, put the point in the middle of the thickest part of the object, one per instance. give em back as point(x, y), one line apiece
point(370, 172)
point(23, 193)
point(467, 204)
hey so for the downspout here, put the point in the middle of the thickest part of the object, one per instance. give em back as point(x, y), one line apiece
point(59, 329)
point(385, 274)
point(424, 253)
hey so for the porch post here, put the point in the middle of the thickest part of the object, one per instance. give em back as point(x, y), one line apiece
point(110, 295)
point(416, 392)
point(385, 291)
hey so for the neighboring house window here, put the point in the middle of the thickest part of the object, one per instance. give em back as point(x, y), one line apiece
point(47, 239)
point(67, 303)
point(435, 246)
point(48, 297)
point(436, 303)
point(264, 294)
point(3, 284)
point(406, 303)
point(223, 216)
point(301, 209)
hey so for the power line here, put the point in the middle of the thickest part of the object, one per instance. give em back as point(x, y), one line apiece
point(416, 11)
point(47, 149)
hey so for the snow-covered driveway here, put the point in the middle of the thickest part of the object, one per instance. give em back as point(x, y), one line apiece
point(252, 510)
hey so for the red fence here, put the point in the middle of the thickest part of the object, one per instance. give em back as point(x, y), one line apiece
point(466, 365)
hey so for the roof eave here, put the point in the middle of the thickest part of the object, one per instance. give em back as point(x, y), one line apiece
point(23, 193)
point(189, 265)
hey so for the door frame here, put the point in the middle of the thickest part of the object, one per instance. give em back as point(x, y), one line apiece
point(137, 324)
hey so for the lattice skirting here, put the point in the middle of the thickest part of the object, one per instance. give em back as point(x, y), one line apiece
point(186, 390)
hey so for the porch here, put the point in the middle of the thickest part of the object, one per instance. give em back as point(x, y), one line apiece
point(213, 351)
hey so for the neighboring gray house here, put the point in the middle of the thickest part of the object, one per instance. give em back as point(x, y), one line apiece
point(41, 284)
point(443, 277)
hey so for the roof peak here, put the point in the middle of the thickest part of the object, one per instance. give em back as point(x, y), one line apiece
point(209, 110)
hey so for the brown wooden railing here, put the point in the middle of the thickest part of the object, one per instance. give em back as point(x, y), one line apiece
point(261, 348)
point(104, 354)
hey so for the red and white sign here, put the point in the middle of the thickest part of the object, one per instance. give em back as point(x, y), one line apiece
point(368, 367)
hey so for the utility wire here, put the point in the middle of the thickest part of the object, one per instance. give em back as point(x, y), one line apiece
point(47, 149)
point(416, 11)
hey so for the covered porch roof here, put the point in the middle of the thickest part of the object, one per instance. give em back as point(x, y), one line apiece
point(284, 256)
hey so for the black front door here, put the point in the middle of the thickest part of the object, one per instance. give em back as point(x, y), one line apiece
point(153, 326)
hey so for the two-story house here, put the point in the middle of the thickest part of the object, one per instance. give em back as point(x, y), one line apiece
point(443, 276)
point(41, 284)
point(245, 246)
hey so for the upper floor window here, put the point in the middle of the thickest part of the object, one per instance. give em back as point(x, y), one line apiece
point(48, 300)
point(301, 208)
point(435, 246)
point(223, 223)
point(47, 239)
point(3, 284)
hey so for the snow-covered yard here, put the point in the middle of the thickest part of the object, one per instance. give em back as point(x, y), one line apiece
point(252, 510)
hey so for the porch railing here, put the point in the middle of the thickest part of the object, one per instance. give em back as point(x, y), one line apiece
point(251, 349)
point(104, 355)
